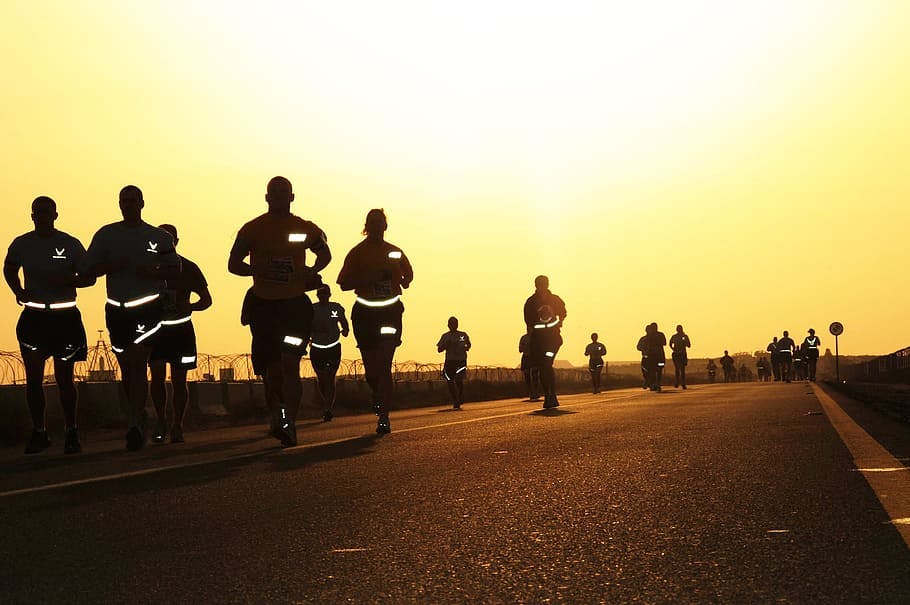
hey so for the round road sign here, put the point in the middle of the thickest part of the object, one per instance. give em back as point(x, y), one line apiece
point(836, 328)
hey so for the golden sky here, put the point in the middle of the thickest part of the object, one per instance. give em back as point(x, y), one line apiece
point(737, 167)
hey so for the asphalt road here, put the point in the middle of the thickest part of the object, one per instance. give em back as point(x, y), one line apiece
point(718, 494)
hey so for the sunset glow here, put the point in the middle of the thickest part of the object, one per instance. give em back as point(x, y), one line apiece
point(736, 167)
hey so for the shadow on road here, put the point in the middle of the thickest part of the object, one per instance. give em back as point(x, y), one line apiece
point(552, 412)
point(349, 448)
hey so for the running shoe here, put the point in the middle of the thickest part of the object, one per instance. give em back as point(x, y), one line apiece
point(160, 432)
point(549, 402)
point(135, 439)
point(327, 416)
point(38, 442)
point(72, 444)
point(383, 427)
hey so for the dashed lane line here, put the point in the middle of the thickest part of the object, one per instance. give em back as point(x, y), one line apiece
point(891, 488)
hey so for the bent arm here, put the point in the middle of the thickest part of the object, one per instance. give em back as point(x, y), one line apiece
point(11, 274)
point(237, 264)
point(205, 299)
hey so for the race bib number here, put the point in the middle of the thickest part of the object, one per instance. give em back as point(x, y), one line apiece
point(383, 289)
point(280, 269)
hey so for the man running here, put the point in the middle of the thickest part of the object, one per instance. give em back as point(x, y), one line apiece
point(657, 358)
point(729, 366)
point(544, 313)
point(642, 347)
point(679, 342)
point(50, 324)
point(785, 348)
point(277, 308)
point(377, 271)
point(329, 325)
point(137, 258)
point(595, 352)
point(810, 347)
point(775, 359)
point(175, 343)
point(456, 345)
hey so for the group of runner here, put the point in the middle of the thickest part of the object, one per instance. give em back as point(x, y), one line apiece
point(149, 317)
point(148, 312)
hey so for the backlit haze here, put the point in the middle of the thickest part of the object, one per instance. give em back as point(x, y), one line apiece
point(737, 167)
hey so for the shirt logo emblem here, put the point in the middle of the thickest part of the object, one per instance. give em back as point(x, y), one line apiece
point(153, 247)
point(140, 328)
point(461, 338)
point(334, 314)
point(60, 253)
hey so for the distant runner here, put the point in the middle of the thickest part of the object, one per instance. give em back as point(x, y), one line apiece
point(329, 325)
point(456, 345)
point(595, 352)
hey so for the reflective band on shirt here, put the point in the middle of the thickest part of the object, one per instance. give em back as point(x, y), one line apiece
point(551, 324)
point(319, 346)
point(174, 322)
point(378, 303)
point(551, 354)
point(69, 304)
point(116, 350)
point(293, 340)
point(461, 369)
point(138, 302)
point(395, 254)
point(388, 330)
point(28, 346)
point(296, 237)
point(188, 359)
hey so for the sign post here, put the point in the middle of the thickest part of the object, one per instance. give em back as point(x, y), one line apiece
point(836, 328)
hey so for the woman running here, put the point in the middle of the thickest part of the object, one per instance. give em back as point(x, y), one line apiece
point(377, 271)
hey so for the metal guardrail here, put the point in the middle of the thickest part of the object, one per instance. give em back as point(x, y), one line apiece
point(894, 367)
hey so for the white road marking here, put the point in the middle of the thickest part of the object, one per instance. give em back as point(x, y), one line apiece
point(891, 488)
point(344, 550)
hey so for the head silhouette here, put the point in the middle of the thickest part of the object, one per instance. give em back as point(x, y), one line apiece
point(376, 223)
point(811, 332)
point(279, 194)
point(725, 352)
point(170, 229)
point(453, 323)
point(44, 213)
point(786, 334)
point(131, 204)
point(323, 293)
point(593, 336)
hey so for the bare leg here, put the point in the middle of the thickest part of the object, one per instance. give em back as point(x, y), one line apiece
point(34, 389)
point(158, 390)
point(291, 387)
point(135, 358)
point(181, 396)
point(63, 374)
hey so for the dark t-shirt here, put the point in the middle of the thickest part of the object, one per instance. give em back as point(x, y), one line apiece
point(596, 351)
point(178, 289)
point(537, 301)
